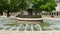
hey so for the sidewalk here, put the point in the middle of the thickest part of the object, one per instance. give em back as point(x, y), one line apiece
point(49, 16)
point(43, 16)
point(28, 32)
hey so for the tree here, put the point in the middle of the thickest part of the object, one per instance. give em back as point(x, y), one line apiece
point(13, 5)
point(44, 5)
point(23, 4)
point(1, 7)
point(17, 5)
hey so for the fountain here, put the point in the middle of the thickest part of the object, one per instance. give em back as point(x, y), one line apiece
point(26, 27)
point(37, 26)
point(29, 18)
point(9, 24)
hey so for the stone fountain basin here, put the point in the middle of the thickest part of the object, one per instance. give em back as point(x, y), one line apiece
point(30, 20)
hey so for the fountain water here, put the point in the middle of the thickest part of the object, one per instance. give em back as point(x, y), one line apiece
point(6, 27)
point(26, 27)
point(37, 26)
point(12, 28)
point(32, 29)
point(18, 28)
point(55, 23)
point(21, 27)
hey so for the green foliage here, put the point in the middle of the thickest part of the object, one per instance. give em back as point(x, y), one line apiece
point(13, 5)
point(1, 5)
point(44, 5)
point(23, 4)
point(17, 5)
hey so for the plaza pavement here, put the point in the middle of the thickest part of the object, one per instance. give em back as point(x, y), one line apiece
point(29, 32)
point(43, 17)
point(49, 16)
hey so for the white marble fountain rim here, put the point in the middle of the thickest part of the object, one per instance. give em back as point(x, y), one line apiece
point(37, 18)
